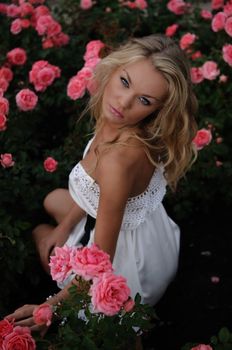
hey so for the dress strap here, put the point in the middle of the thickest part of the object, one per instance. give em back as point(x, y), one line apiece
point(89, 226)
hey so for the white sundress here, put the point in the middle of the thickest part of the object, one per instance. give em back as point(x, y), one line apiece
point(147, 249)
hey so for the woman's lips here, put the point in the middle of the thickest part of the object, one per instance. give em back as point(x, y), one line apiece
point(116, 112)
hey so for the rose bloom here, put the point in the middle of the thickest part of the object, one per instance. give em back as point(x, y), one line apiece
point(228, 26)
point(223, 78)
point(202, 138)
point(42, 314)
point(43, 74)
point(93, 49)
point(19, 339)
point(6, 160)
point(218, 163)
point(92, 62)
point(218, 21)
point(26, 9)
point(6, 73)
point(26, 100)
point(13, 11)
point(202, 347)
point(109, 292)
point(217, 4)
point(60, 39)
point(4, 105)
point(219, 140)
point(196, 75)
point(47, 43)
point(60, 266)
point(16, 26)
point(76, 88)
point(227, 54)
point(50, 164)
point(3, 85)
point(177, 6)
point(196, 55)
point(210, 70)
point(25, 23)
point(129, 305)
point(6, 328)
point(227, 9)
point(86, 4)
point(171, 30)
point(3, 8)
point(3, 121)
point(141, 4)
point(90, 262)
point(206, 14)
point(17, 56)
point(187, 40)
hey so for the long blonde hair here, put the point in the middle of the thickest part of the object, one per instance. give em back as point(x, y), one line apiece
point(167, 133)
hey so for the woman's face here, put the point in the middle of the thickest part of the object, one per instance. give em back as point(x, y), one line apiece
point(132, 93)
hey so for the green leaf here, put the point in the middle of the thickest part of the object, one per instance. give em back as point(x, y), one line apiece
point(224, 335)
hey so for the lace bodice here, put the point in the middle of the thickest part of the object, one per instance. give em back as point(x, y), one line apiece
point(86, 192)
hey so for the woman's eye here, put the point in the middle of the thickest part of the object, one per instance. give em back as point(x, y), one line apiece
point(124, 82)
point(144, 101)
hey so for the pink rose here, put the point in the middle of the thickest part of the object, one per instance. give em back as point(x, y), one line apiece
point(13, 11)
point(202, 347)
point(227, 9)
point(178, 7)
point(227, 54)
point(86, 4)
point(25, 23)
point(228, 26)
point(223, 78)
point(210, 70)
point(206, 14)
point(202, 138)
point(93, 49)
point(26, 100)
point(26, 9)
point(196, 75)
point(4, 105)
point(215, 279)
point(90, 262)
point(171, 30)
point(42, 314)
point(76, 88)
point(3, 121)
point(60, 39)
point(50, 164)
point(6, 328)
point(60, 266)
point(16, 26)
point(3, 8)
point(47, 43)
point(196, 55)
point(219, 140)
point(218, 164)
point(43, 74)
point(129, 305)
point(187, 40)
point(92, 62)
point(3, 85)
point(216, 4)
point(6, 160)
point(218, 21)
point(6, 73)
point(109, 292)
point(17, 56)
point(19, 339)
point(141, 4)
point(35, 2)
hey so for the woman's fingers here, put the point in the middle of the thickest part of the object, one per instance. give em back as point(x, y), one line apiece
point(21, 313)
point(27, 322)
point(41, 329)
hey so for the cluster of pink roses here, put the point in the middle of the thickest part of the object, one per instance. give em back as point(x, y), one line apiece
point(137, 4)
point(109, 292)
point(84, 78)
point(43, 74)
point(15, 337)
point(33, 14)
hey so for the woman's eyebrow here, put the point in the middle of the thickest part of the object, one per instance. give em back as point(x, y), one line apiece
point(145, 95)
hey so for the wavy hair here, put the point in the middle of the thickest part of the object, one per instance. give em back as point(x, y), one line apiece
point(167, 134)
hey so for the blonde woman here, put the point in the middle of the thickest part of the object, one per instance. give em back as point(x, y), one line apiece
point(144, 110)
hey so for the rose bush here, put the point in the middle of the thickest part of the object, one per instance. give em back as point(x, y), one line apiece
point(40, 104)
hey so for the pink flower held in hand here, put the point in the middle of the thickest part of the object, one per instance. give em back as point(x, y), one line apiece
point(109, 292)
point(86, 4)
point(171, 30)
point(202, 347)
point(50, 164)
point(17, 56)
point(227, 54)
point(42, 314)
point(90, 262)
point(60, 263)
point(202, 138)
point(20, 338)
point(26, 100)
point(210, 70)
point(6, 160)
point(6, 328)
point(3, 121)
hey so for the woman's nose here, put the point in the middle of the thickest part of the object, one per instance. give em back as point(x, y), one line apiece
point(126, 100)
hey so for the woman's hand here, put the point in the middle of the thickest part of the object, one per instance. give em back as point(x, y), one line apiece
point(23, 317)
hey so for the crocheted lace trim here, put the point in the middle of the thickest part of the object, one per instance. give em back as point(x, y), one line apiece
point(136, 208)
